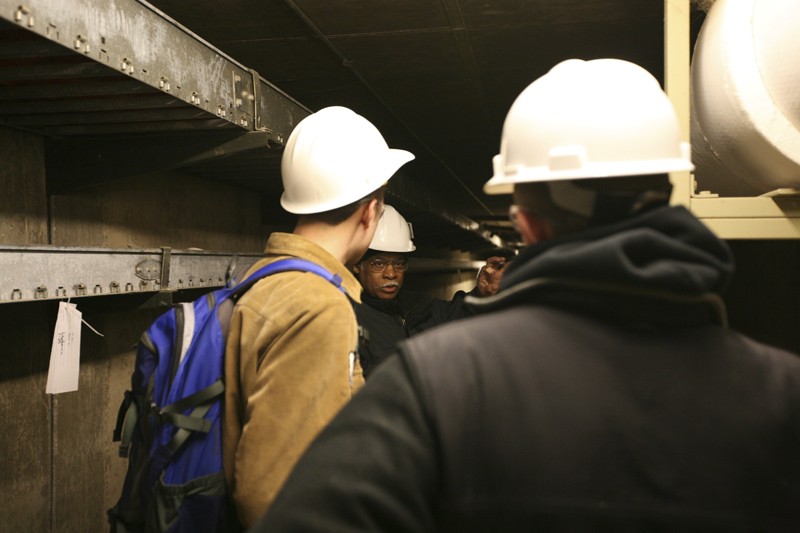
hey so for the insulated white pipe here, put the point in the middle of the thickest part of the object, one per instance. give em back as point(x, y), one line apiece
point(745, 102)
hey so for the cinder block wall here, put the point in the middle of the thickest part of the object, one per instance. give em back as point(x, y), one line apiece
point(59, 469)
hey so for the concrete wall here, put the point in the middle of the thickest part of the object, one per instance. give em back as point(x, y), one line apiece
point(161, 209)
point(25, 411)
point(23, 203)
point(59, 470)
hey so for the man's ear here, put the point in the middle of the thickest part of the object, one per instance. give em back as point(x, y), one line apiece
point(533, 228)
point(372, 213)
point(357, 268)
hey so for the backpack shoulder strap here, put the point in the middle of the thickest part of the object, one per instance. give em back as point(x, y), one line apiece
point(287, 265)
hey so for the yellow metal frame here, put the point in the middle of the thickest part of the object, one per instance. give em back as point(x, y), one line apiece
point(774, 216)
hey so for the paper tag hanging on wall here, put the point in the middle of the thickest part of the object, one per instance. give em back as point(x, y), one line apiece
point(65, 355)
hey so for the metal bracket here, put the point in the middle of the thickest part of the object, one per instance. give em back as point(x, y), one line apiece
point(166, 255)
point(149, 269)
point(256, 103)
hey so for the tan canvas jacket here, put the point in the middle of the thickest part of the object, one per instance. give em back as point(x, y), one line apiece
point(290, 366)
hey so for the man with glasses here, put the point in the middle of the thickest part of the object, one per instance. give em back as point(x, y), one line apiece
point(387, 314)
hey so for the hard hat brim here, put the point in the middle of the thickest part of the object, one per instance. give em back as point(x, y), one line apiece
point(503, 182)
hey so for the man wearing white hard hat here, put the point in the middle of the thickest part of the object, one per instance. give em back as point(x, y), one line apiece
point(291, 354)
point(600, 389)
point(388, 313)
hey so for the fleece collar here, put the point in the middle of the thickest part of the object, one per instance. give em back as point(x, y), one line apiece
point(663, 262)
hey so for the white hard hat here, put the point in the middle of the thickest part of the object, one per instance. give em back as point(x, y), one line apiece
point(393, 233)
point(589, 119)
point(335, 157)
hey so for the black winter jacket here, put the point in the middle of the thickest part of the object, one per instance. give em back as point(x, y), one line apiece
point(384, 323)
point(600, 391)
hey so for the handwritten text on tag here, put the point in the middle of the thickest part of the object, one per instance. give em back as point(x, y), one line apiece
point(65, 354)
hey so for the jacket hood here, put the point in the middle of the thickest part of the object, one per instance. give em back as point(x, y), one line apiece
point(663, 267)
point(664, 249)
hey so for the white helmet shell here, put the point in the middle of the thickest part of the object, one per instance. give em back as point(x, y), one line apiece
point(589, 119)
point(393, 233)
point(335, 157)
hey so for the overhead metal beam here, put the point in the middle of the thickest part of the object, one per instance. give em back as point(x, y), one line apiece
point(135, 40)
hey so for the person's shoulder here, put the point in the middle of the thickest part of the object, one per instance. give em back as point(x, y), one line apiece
point(480, 335)
point(293, 289)
point(772, 354)
point(464, 333)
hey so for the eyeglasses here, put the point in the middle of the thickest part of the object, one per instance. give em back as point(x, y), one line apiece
point(379, 265)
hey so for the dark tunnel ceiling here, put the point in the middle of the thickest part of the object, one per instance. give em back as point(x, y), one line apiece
point(436, 76)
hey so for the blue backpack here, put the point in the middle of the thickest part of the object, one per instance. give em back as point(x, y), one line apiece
point(169, 423)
